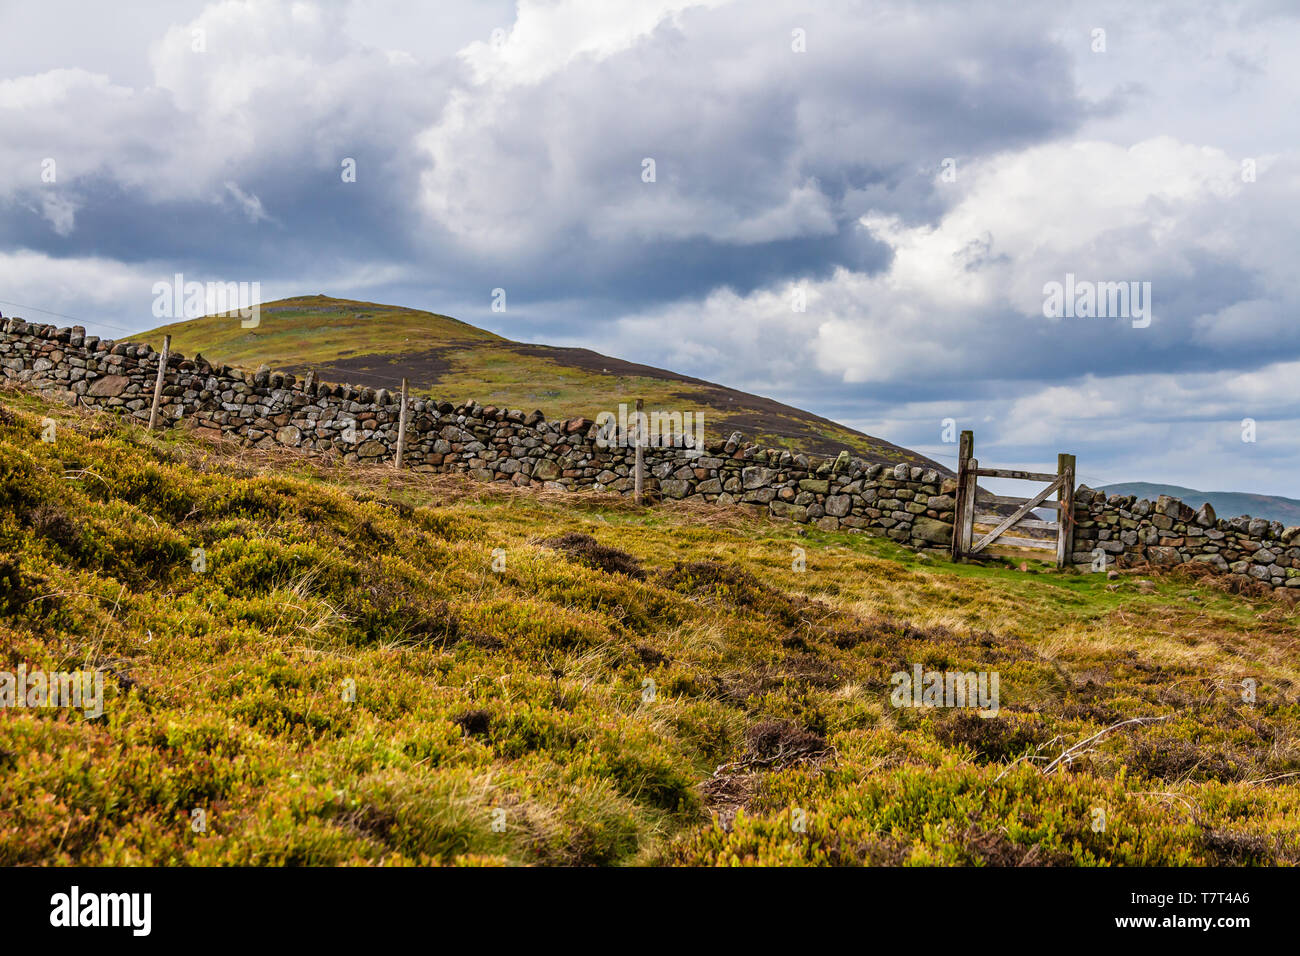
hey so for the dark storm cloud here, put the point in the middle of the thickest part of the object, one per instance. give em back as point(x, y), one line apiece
point(736, 121)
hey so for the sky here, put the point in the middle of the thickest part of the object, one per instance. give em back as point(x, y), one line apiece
point(857, 208)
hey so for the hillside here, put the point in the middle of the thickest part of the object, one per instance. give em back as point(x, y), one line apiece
point(365, 343)
point(339, 675)
point(1226, 504)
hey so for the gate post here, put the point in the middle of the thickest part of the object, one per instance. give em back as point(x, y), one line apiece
point(968, 506)
point(964, 452)
point(161, 380)
point(401, 429)
point(1065, 510)
point(638, 461)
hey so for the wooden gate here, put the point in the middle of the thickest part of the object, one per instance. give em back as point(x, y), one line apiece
point(965, 540)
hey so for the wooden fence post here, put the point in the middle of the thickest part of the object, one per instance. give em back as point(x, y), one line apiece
point(964, 452)
point(158, 385)
point(638, 473)
point(969, 504)
point(401, 429)
point(1065, 510)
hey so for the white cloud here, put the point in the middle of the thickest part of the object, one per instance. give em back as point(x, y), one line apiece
point(278, 86)
point(248, 203)
point(60, 211)
point(560, 118)
point(964, 297)
point(548, 34)
point(84, 287)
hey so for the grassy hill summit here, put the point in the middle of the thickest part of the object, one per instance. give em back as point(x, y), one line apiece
point(365, 343)
point(313, 664)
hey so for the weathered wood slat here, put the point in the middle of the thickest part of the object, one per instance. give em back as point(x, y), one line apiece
point(1020, 475)
point(1021, 512)
point(1042, 544)
point(1029, 524)
point(988, 499)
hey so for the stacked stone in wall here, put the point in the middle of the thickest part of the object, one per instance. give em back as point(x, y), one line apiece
point(265, 409)
point(909, 504)
point(1127, 531)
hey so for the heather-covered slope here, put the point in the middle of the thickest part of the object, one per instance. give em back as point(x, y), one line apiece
point(369, 666)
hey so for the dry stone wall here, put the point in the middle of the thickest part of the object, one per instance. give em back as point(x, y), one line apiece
point(266, 409)
point(1127, 531)
point(909, 504)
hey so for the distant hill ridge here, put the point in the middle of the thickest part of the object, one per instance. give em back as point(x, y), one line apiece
point(378, 345)
point(1226, 504)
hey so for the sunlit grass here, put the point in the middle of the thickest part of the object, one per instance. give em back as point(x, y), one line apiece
point(554, 712)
